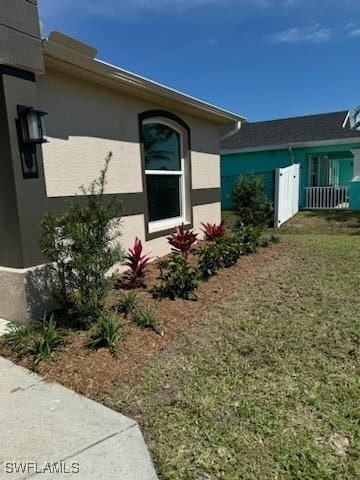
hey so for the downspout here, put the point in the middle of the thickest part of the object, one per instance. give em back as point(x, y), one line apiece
point(232, 131)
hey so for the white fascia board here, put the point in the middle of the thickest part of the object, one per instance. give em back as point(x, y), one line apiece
point(320, 143)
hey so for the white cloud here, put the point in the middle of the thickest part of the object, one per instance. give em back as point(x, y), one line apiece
point(353, 29)
point(354, 33)
point(310, 34)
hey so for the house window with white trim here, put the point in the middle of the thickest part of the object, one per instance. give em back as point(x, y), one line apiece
point(165, 145)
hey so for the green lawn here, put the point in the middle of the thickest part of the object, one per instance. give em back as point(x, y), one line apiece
point(268, 386)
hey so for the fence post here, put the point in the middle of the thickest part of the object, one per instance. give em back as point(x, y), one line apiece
point(277, 220)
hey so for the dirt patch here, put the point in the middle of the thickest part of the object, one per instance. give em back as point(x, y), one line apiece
point(94, 372)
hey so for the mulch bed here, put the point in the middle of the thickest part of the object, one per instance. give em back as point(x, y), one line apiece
point(94, 372)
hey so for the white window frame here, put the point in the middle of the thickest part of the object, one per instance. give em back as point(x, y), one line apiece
point(166, 223)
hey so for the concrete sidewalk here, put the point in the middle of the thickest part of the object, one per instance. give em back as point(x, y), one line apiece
point(46, 423)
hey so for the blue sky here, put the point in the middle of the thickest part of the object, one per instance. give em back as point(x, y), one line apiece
point(260, 58)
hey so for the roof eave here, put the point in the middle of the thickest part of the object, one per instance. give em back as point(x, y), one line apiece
point(285, 146)
point(136, 82)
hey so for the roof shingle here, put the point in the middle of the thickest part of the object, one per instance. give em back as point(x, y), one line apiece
point(311, 128)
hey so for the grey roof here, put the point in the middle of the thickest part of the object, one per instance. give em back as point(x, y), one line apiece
point(287, 131)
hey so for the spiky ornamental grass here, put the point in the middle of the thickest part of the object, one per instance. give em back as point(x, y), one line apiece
point(145, 318)
point(106, 334)
point(38, 340)
point(127, 303)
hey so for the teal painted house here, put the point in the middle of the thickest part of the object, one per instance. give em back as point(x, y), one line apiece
point(327, 147)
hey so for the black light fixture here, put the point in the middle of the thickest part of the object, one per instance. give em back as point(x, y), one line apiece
point(32, 125)
point(31, 133)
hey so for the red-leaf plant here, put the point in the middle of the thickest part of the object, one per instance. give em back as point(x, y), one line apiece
point(213, 231)
point(137, 262)
point(182, 240)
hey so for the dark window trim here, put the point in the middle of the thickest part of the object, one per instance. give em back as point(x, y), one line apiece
point(17, 72)
point(170, 116)
point(135, 203)
point(132, 203)
point(203, 196)
point(162, 114)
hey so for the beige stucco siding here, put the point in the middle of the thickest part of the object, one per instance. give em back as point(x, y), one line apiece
point(134, 225)
point(87, 156)
point(205, 154)
point(210, 212)
point(86, 121)
point(205, 170)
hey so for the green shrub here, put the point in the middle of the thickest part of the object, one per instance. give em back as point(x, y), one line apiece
point(210, 259)
point(83, 245)
point(250, 237)
point(145, 318)
point(178, 279)
point(106, 334)
point(127, 303)
point(232, 249)
point(38, 340)
point(251, 204)
point(224, 252)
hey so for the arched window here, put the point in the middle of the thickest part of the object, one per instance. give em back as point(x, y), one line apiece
point(165, 146)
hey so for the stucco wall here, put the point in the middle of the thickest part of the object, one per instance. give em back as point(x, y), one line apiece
point(205, 170)
point(30, 197)
point(24, 292)
point(10, 243)
point(134, 225)
point(20, 43)
point(86, 121)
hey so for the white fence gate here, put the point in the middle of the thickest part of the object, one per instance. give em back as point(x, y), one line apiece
point(287, 189)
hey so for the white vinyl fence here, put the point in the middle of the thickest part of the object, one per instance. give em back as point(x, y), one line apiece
point(287, 189)
point(326, 197)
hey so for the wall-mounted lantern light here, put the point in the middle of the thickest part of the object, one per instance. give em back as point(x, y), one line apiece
point(32, 125)
point(31, 132)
